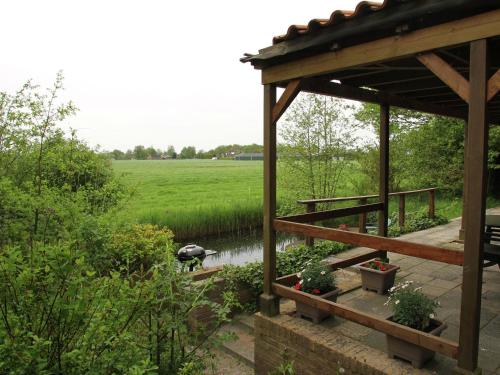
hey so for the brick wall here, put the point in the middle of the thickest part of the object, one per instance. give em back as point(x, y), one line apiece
point(317, 351)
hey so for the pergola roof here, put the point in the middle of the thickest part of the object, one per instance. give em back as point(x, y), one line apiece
point(405, 77)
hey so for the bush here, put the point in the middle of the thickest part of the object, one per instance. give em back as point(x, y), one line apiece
point(58, 316)
point(128, 249)
point(414, 222)
point(411, 307)
point(289, 261)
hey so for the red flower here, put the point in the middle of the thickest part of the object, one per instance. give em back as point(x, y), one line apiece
point(316, 291)
point(382, 268)
point(297, 286)
point(343, 226)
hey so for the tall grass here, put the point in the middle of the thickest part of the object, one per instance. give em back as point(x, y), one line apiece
point(208, 220)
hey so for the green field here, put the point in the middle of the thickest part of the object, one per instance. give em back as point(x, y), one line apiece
point(194, 197)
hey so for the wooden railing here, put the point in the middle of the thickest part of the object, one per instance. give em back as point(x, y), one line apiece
point(300, 225)
point(311, 205)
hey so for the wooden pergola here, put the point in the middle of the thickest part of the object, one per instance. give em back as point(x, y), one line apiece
point(439, 57)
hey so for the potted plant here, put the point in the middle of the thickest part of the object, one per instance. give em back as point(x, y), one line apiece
point(316, 279)
point(413, 309)
point(378, 275)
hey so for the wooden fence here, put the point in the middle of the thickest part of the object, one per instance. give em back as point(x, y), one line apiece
point(363, 200)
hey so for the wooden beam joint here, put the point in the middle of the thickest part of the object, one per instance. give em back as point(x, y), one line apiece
point(446, 73)
point(291, 91)
point(454, 79)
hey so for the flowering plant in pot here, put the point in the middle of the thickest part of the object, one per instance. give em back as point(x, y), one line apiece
point(413, 309)
point(378, 275)
point(316, 279)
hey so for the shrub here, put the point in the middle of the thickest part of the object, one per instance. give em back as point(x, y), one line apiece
point(414, 221)
point(127, 249)
point(410, 306)
point(57, 316)
point(289, 261)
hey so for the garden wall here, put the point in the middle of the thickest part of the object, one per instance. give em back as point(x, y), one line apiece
point(315, 350)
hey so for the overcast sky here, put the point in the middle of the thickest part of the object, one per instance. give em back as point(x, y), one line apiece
point(151, 72)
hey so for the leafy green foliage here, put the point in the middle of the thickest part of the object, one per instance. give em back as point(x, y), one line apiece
point(411, 307)
point(315, 141)
point(79, 293)
point(290, 261)
point(60, 316)
point(414, 222)
point(316, 278)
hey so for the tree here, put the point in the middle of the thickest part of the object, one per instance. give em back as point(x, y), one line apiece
point(188, 152)
point(315, 141)
point(117, 154)
point(140, 153)
point(402, 123)
point(171, 152)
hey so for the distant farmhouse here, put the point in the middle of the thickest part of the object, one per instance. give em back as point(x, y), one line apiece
point(250, 156)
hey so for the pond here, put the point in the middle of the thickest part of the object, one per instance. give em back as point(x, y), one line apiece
point(238, 249)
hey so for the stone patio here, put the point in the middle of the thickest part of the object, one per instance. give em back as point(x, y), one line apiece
point(439, 281)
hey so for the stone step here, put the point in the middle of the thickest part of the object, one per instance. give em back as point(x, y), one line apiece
point(245, 321)
point(226, 364)
point(243, 347)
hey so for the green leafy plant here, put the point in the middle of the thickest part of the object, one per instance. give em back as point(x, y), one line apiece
point(289, 261)
point(315, 278)
point(410, 306)
point(414, 222)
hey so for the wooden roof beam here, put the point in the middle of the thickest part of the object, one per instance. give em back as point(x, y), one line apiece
point(493, 85)
point(446, 73)
point(378, 97)
point(291, 91)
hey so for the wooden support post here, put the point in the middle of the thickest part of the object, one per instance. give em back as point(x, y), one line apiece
point(461, 232)
point(475, 166)
point(362, 217)
point(311, 207)
point(269, 303)
point(384, 170)
point(432, 204)
point(401, 210)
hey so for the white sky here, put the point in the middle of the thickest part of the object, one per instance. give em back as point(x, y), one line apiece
point(151, 72)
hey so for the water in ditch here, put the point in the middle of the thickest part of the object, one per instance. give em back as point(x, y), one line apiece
point(238, 249)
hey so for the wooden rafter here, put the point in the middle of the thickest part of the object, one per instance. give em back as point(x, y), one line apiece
point(371, 96)
point(291, 91)
point(493, 85)
point(446, 73)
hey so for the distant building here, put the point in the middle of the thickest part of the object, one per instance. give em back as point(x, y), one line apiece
point(250, 156)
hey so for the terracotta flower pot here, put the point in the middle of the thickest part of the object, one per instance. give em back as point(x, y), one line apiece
point(313, 313)
point(418, 356)
point(379, 281)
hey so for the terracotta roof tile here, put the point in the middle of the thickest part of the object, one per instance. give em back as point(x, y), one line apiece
point(337, 17)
